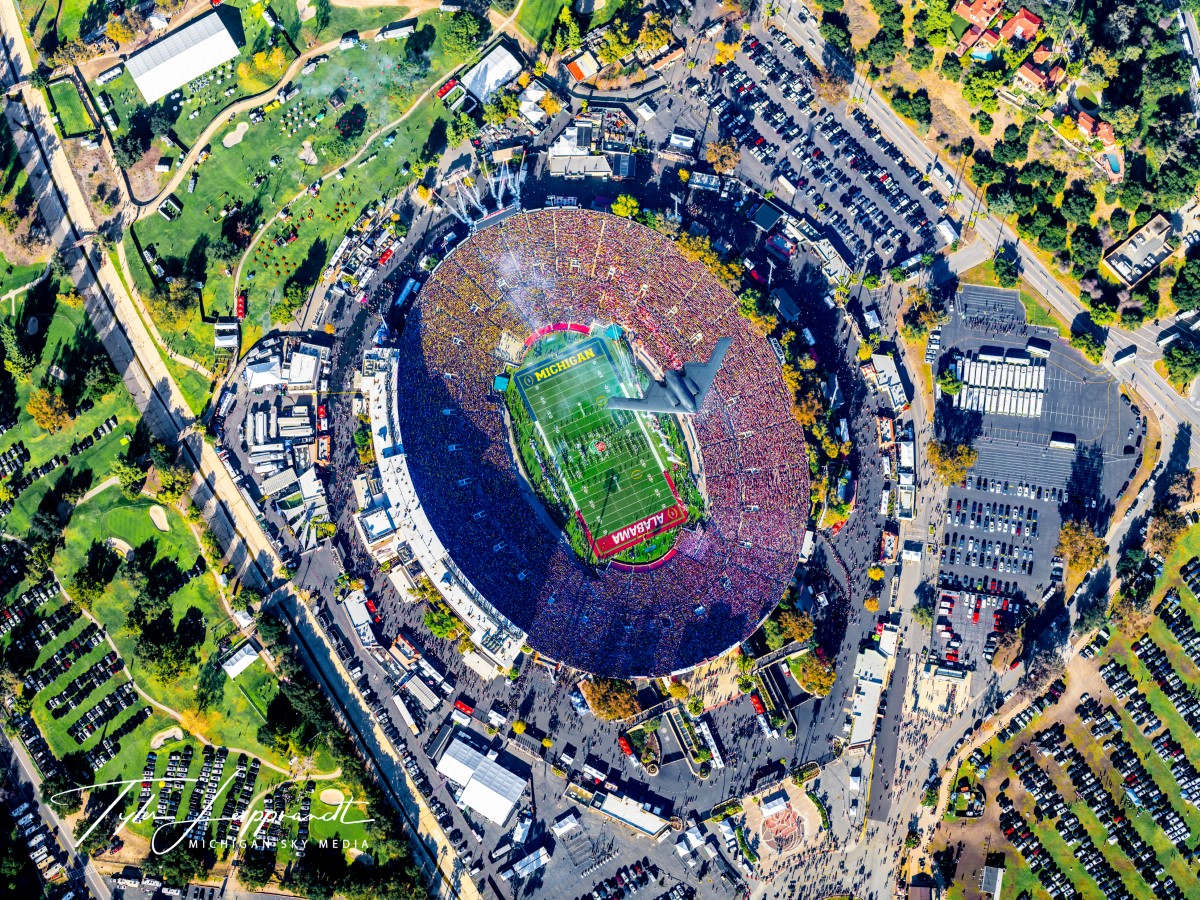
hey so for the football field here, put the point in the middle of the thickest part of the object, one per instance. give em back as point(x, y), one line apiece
point(607, 459)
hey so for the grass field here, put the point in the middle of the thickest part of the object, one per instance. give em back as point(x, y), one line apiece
point(73, 118)
point(382, 78)
point(605, 459)
point(537, 17)
point(66, 334)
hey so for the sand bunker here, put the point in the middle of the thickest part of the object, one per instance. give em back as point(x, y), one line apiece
point(235, 137)
point(308, 155)
point(124, 548)
point(158, 516)
point(163, 737)
point(332, 797)
point(306, 12)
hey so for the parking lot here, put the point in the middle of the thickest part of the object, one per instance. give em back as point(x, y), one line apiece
point(1000, 527)
point(829, 163)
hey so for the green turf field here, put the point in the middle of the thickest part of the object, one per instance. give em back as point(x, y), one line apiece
point(73, 118)
point(605, 459)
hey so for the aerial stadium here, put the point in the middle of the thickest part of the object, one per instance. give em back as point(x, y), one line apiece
point(623, 538)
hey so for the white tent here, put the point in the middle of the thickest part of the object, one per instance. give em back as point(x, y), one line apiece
point(263, 374)
point(240, 661)
point(488, 788)
point(497, 69)
point(181, 56)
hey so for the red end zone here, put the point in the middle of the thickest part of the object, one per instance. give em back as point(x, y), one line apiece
point(636, 532)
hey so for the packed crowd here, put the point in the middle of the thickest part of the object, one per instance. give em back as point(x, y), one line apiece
point(589, 267)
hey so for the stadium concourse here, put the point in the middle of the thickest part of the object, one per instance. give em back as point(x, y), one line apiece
point(570, 265)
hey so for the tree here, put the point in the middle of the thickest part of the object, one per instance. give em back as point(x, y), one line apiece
point(130, 477)
point(1185, 292)
point(814, 674)
point(1182, 362)
point(1078, 204)
point(831, 87)
point(518, 727)
point(48, 409)
point(18, 362)
point(678, 691)
point(173, 483)
point(920, 57)
point(119, 32)
point(1007, 269)
point(1080, 546)
point(724, 53)
point(501, 107)
point(949, 382)
point(566, 31)
point(257, 864)
point(625, 206)
point(871, 604)
point(951, 463)
point(611, 698)
point(550, 105)
point(617, 44)
point(723, 156)
point(442, 622)
point(462, 128)
point(324, 13)
point(655, 33)
point(1087, 344)
point(875, 573)
point(461, 35)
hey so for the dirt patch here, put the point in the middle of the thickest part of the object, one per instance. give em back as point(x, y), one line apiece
point(98, 183)
point(864, 24)
point(158, 516)
point(166, 736)
point(235, 137)
point(308, 155)
point(144, 182)
point(123, 548)
point(306, 12)
point(332, 797)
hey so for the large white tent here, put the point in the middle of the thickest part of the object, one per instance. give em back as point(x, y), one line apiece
point(488, 788)
point(183, 55)
point(497, 69)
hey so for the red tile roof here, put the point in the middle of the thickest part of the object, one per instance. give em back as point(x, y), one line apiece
point(1023, 26)
point(980, 12)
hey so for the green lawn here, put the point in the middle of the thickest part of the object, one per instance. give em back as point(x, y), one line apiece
point(234, 720)
point(959, 26)
point(537, 18)
point(369, 76)
point(13, 276)
point(73, 118)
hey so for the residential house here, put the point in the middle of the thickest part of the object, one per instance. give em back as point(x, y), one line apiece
point(1094, 128)
point(1023, 26)
point(980, 12)
point(1037, 78)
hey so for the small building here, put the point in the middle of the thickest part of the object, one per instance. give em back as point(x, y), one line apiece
point(978, 12)
point(646, 110)
point(785, 305)
point(580, 167)
point(705, 181)
point(766, 216)
point(1023, 26)
point(1134, 258)
point(226, 336)
point(992, 881)
point(583, 67)
point(947, 229)
point(1095, 129)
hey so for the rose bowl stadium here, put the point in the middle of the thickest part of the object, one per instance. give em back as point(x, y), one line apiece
point(621, 542)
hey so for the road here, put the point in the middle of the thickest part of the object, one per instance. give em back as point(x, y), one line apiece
point(1174, 411)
